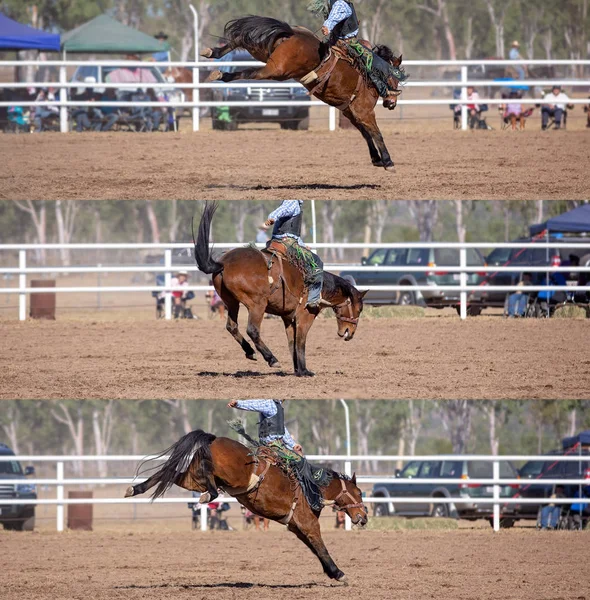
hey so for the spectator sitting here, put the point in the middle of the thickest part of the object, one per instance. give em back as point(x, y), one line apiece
point(154, 115)
point(216, 304)
point(579, 279)
point(577, 509)
point(517, 301)
point(179, 297)
point(514, 54)
point(473, 107)
point(44, 112)
point(550, 512)
point(82, 114)
point(109, 115)
point(556, 107)
point(587, 111)
point(512, 111)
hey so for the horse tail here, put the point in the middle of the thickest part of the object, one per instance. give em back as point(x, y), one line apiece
point(206, 263)
point(256, 34)
point(194, 446)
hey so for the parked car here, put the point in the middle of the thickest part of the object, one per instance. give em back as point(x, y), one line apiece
point(288, 117)
point(526, 257)
point(462, 471)
point(145, 76)
point(437, 258)
point(20, 517)
point(534, 472)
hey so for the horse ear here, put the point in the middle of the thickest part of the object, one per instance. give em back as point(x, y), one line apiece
point(399, 60)
point(353, 478)
point(363, 294)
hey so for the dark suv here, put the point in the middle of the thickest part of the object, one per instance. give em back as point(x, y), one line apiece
point(533, 473)
point(526, 257)
point(462, 471)
point(288, 117)
point(437, 258)
point(19, 517)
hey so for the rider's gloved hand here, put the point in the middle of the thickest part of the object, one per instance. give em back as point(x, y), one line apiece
point(325, 31)
point(269, 222)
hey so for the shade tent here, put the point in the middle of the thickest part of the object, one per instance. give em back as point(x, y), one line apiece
point(574, 221)
point(582, 438)
point(16, 36)
point(104, 35)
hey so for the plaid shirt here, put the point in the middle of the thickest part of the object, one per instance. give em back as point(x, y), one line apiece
point(288, 208)
point(267, 408)
point(340, 11)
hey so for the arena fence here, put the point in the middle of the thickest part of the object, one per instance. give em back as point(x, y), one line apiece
point(60, 481)
point(460, 272)
point(63, 103)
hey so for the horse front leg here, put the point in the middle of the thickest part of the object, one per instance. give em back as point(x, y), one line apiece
point(290, 331)
point(255, 316)
point(375, 156)
point(309, 534)
point(303, 322)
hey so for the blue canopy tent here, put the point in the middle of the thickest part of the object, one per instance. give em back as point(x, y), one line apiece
point(583, 439)
point(573, 221)
point(16, 36)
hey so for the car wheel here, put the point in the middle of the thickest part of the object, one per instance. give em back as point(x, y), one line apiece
point(27, 524)
point(285, 125)
point(406, 298)
point(380, 510)
point(472, 311)
point(303, 125)
point(440, 511)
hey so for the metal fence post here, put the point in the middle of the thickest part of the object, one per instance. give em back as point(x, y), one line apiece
point(22, 284)
point(167, 284)
point(463, 282)
point(348, 472)
point(496, 477)
point(463, 98)
point(332, 118)
point(203, 517)
point(60, 496)
point(63, 96)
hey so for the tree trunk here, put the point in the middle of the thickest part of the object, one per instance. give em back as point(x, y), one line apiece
point(459, 221)
point(425, 213)
point(75, 425)
point(102, 428)
point(39, 217)
point(330, 212)
point(456, 418)
point(573, 424)
point(153, 221)
point(65, 217)
point(11, 428)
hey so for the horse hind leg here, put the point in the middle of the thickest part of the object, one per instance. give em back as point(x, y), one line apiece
point(218, 52)
point(233, 308)
point(255, 316)
point(269, 71)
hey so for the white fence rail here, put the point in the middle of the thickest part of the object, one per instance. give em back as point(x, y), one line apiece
point(60, 481)
point(63, 85)
point(462, 270)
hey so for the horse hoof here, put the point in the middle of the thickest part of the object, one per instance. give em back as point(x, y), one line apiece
point(129, 492)
point(207, 53)
point(305, 373)
point(274, 363)
point(214, 75)
point(251, 357)
point(341, 578)
point(390, 168)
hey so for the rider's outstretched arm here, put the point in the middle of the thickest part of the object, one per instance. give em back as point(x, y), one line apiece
point(267, 408)
point(288, 208)
point(340, 11)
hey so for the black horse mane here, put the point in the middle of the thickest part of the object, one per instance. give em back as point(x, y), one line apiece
point(256, 33)
point(333, 284)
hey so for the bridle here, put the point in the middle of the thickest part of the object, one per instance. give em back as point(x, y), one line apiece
point(349, 318)
point(343, 494)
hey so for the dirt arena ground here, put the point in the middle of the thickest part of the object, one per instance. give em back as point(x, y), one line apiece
point(315, 164)
point(415, 358)
point(453, 565)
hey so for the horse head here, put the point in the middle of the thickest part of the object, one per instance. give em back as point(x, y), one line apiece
point(344, 494)
point(348, 309)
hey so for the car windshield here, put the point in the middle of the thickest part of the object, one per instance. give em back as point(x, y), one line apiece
point(11, 467)
point(411, 469)
point(478, 469)
point(378, 257)
point(499, 256)
point(535, 468)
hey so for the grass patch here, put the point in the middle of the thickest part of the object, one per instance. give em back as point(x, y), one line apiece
point(401, 524)
point(386, 312)
point(570, 312)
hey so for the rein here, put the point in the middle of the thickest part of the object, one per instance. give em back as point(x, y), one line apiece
point(349, 318)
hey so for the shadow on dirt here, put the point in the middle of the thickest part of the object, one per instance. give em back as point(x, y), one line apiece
point(243, 374)
point(295, 186)
point(223, 584)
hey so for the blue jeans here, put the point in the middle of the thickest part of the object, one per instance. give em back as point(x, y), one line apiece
point(517, 305)
point(556, 113)
point(41, 114)
point(550, 516)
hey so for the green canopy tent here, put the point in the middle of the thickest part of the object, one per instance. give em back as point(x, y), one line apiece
point(104, 35)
